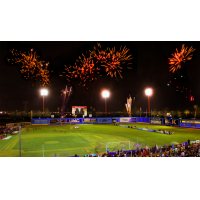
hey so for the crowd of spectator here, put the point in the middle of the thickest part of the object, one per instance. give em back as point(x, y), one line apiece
point(7, 130)
point(181, 150)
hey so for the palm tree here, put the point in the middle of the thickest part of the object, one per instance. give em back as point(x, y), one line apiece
point(154, 113)
point(179, 114)
point(186, 112)
point(195, 107)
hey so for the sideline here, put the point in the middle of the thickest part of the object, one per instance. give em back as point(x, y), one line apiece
point(8, 143)
point(163, 125)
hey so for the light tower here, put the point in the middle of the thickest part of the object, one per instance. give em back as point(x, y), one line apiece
point(105, 94)
point(149, 92)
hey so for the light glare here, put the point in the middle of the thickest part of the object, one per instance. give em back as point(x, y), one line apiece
point(105, 93)
point(44, 92)
point(148, 91)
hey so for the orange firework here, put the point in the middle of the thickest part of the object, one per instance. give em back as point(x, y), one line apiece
point(114, 61)
point(31, 66)
point(109, 60)
point(179, 57)
point(84, 69)
point(43, 74)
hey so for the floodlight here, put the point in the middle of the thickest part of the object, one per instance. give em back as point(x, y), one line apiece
point(105, 94)
point(148, 91)
point(44, 92)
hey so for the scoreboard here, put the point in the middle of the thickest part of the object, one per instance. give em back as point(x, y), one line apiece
point(79, 110)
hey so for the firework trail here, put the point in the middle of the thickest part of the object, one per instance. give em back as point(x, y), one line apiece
point(65, 97)
point(180, 57)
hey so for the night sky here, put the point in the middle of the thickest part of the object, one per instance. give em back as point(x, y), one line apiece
point(150, 68)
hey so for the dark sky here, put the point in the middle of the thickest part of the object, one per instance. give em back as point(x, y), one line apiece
point(150, 68)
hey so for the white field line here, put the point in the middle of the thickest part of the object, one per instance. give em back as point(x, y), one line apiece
point(83, 150)
point(7, 138)
point(8, 143)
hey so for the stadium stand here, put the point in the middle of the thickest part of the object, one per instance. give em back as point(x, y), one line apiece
point(181, 150)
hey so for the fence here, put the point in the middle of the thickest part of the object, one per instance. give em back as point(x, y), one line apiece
point(188, 123)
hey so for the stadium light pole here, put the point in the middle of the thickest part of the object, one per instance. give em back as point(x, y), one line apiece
point(105, 94)
point(149, 92)
point(44, 92)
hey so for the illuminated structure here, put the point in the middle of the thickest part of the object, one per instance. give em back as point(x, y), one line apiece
point(44, 92)
point(149, 92)
point(128, 105)
point(105, 95)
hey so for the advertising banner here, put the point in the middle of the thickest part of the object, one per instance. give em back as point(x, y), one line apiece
point(39, 121)
point(92, 120)
point(74, 120)
point(57, 121)
point(175, 122)
point(193, 125)
point(188, 122)
point(166, 121)
point(128, 119)
point(105, 120)
point(156, 121)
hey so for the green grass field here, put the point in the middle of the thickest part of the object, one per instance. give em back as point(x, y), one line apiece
point(65, 141)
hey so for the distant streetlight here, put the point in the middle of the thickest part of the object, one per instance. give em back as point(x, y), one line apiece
point(149, 92)
point(44, 92)
point(105, 94)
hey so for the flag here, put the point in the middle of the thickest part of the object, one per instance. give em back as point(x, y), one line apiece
point(173, 145)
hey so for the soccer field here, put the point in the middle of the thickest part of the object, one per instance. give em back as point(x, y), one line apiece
point(39, 141)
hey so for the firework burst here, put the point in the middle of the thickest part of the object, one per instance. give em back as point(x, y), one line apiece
point(84, 70)
point(109, 60)
point(180, 57)
point(30, 66)
point(114, 61)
